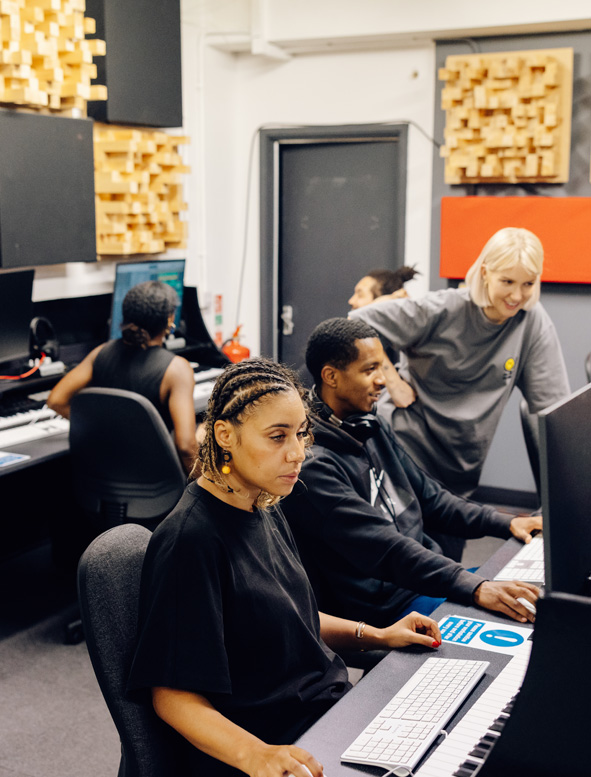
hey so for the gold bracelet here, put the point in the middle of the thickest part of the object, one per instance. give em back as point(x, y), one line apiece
point(359, 630)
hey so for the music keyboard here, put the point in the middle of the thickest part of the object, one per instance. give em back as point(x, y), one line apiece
point(29, 432)
point(26, 417)
point(476, 723)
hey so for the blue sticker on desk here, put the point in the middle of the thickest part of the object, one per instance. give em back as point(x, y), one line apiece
point(7, 458)
point(461, 630)
point(481, 634)
point(501, 638)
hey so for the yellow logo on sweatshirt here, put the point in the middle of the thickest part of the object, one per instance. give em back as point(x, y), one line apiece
point(509, 366)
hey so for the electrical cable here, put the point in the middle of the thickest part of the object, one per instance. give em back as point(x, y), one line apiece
point(25, 374)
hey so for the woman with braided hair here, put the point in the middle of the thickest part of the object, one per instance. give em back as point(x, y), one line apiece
point(232, 650)
point(138, 362)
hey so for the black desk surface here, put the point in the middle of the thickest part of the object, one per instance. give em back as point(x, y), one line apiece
point(335, 731)
point(40, 450)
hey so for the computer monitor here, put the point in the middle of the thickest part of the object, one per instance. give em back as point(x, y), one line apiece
point(16, 312)
point(169, 271)
point(565, 469)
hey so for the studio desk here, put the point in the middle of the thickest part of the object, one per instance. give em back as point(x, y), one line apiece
point(335, 731)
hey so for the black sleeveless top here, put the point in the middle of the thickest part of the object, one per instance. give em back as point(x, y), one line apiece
point(123, 366)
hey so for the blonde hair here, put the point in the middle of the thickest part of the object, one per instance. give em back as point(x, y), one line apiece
point(508, 248)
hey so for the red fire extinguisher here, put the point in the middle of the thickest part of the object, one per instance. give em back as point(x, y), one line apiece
point(233, 350)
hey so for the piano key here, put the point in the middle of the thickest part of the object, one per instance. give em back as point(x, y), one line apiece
point(474, 727)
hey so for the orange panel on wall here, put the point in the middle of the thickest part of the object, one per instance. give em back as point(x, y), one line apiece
point(563, 224)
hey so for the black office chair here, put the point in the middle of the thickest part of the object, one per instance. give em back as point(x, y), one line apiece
point(109, 575)
point(588, 367)
point(529, 425)
point(125, 465)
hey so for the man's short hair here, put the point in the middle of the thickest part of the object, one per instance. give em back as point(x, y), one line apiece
point(334, 342)
point(388, 281)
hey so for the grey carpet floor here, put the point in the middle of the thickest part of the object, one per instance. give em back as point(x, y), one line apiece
point(53, 720)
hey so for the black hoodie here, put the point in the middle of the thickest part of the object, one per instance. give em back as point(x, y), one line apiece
point(360, 518)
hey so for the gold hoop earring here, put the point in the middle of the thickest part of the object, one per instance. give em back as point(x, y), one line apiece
point(226, 458)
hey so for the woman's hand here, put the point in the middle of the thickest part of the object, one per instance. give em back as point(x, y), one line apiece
point(398, 294)
point(413, 629)
point(282, 760)
point(402, 393)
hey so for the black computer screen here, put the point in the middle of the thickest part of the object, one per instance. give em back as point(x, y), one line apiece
point(565, 469)
point(16, 312)
point(169, 271)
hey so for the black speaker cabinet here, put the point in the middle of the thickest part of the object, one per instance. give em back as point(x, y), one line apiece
point(142, 66)
point(46, 190)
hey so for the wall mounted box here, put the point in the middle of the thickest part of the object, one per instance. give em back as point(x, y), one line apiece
point(142, 67)
point(561, 223)
point(47, 213)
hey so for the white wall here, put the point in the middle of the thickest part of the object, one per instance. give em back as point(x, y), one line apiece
point(360, 87)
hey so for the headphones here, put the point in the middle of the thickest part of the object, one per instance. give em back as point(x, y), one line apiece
point(42, 339)
point(361, 426)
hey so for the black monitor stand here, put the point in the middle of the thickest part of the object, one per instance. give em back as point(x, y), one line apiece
point(200, 347)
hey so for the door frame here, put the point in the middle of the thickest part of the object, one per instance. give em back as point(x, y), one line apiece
point(270, 144)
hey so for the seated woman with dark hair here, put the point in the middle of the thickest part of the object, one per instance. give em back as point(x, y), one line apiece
point(232, 648)
point(138, 362)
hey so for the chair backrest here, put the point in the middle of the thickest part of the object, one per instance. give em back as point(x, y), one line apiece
point(125, 464)
point(529, 425)
point(109, 575)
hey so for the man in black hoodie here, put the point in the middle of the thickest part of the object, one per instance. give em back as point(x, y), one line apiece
point(363, 512)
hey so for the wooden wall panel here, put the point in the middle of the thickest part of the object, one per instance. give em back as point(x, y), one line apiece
point(138, 185)
point(508, 116)
point(46, 63)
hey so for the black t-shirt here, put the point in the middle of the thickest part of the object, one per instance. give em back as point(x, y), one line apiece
point(226, 611)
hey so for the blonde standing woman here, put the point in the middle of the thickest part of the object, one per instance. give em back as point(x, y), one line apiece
point(463, 351)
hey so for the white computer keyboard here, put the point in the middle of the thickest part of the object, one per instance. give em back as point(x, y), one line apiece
point(411, 721)
point(527, 564)
point(36, 431)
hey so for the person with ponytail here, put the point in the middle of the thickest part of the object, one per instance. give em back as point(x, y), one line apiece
point(138, 362)
point(232, 652)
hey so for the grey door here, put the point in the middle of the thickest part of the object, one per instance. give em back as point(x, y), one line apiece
point(334, 209)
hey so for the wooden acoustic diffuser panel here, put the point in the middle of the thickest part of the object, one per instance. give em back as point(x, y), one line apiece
point(508, 116)
point(561, 223)
point(45, 61)
point(138, 186)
